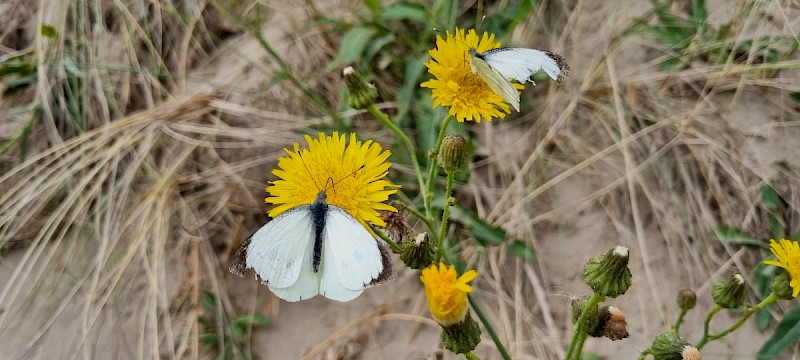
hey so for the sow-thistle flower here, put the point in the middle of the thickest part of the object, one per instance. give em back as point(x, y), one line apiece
point(454, 85)
point(351, 173)
point(447, 299)
point(788, 254)
point(608, 274)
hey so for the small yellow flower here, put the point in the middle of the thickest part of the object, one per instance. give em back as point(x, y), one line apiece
point(447, 293)
point(351, 174)
point(467, 95)
point(788, 254)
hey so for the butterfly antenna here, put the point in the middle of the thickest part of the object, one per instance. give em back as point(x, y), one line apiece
point(333, 183)
point(309, 171)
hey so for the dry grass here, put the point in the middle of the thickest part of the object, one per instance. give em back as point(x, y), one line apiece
point(147, 167)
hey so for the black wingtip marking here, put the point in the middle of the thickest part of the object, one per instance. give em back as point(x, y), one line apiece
point(238, 263)
point(562, 64)
point(388, 273)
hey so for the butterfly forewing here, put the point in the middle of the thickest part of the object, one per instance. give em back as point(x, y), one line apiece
point(278, 250)
point(520, 63)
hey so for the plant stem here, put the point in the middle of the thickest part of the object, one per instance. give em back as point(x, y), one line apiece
point(677, 325)
point(428, 194)
point(579, 347)
point(406, 142)
point(706, 324)
point(581, 324)
point(385, 238)
point(489, 328)
point(750, 311)
point(644, 354)
point(445, 215)
point(418, 214)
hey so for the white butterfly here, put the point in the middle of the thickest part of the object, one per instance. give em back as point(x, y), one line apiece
point(315, 249)
point(497, 66)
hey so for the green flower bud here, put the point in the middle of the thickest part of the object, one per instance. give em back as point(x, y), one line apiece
point(781, 286)
point(729, 294)
point(362, 94)
point(453, 153)
point(686, 299)
point(461, 337)
point(593, 318)
point(671, 346)
point(608, 274)
point(419, 253)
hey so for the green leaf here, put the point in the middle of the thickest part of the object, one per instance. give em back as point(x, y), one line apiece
point(48, 31)
point(738, 236)
point(795, 96)
point(406, 11)
point(353, 44)
point(786, 334)
point(523, 250)
point(485, 234)
point(769, 197)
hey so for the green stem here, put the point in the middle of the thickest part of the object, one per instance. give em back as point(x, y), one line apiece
point(644, 354)
point(750, 311)
point(581, 324)
point(579, 347)
point(489, 328)
point(404, 139)
point(677, 325)
point(418, 214)
point(445, 215)
point(706, 324)
point(428, 193)
point(392, 244)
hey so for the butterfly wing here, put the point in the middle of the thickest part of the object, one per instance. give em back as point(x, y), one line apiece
point(520, 63)
point(278, 250)
point(497, 82)
point(351, 258)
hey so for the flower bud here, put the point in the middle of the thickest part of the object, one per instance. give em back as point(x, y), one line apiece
point(686, 299)
point(608, 274)
point(362, 94)
point(729, 294)
point(781, 286)
point(671, 346)
point(419, 253)
point(396, 227)
point(592, 322)
point(453, 153)
point(461, 337)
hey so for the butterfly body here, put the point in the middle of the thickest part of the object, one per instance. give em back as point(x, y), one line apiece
point(498, 66)
point(314, 249)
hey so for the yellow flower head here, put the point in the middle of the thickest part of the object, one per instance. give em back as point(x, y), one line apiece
point(788, 254)
point(351, 174)
point(447, 294)
point(467, 95)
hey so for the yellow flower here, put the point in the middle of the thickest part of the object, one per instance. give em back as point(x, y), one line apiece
point(351, 174)
point(467, 95)
point(447, 295)
point(788, 254)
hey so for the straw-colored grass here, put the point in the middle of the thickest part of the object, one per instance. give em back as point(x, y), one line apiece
point(157, 126)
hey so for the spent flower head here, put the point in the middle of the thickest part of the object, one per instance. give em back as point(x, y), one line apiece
point(788, 254)
point(351, 173)
point(456, 86)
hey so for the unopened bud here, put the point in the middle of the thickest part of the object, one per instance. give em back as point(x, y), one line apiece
point(781, 286)
point(418, 253)
point(729, 294)
point(362, 94)
point(671, 346)
point(686, 299)
point(461, 337)
point(608, 274)
point(453, 153)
